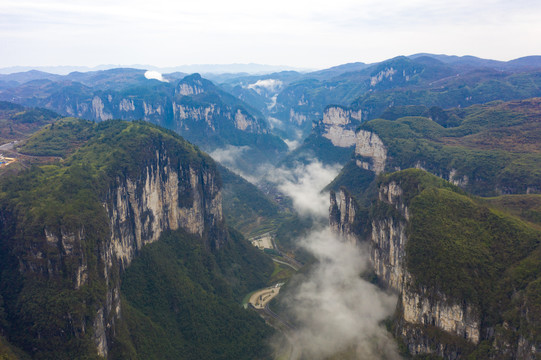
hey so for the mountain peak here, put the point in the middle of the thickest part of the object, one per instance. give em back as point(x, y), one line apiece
point(194, 84)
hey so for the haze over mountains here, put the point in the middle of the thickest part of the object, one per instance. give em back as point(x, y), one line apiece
point(400, 202)
point(291, 100)
point(202, 68)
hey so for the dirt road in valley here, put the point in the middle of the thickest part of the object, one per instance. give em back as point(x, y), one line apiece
point(261, 298)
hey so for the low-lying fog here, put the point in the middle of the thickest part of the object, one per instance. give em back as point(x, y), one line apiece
point(334, 310)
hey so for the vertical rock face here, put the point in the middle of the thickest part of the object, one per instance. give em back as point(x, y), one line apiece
point(194, 107)
point(343, 215)
point(297, 118)
point(185, 89)
point(387, 239)
point(338, 125)
point(370, 151)
point(338, 115)
point(213, 119)
point(170, 187)
point(98, 110)
point(245, 122)
point(461, 320)
point(163, 197)
point(384, 74)
point(388, 242)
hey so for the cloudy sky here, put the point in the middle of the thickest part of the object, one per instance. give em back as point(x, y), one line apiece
point(300, 33)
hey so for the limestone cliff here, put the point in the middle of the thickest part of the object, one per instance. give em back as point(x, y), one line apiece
point(433, 316)
point(370, 152)
point(213, 118)
point(163, 197)
point(343, 216)
point(387, 241)
point(338, 125)
point(297, 118)
point(194, 107)
point(82, 228)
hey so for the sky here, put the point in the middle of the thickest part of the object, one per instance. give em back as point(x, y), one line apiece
point(310, 34)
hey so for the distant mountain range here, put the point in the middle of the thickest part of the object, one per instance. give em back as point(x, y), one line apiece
point(190, 105)
point(283, 103)
point(200, 68)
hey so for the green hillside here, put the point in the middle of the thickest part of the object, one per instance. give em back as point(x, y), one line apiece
point(179, 305)
point(40, 310)
point(18, 122)
point(473, 252)
point(495, 147)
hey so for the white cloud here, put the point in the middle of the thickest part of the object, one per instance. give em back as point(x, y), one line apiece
point(150, 74)
point(274, 122)
point(229, 155)
point(304, 185)
point(271, 85)
point(292, 144)
point(335, 310)
point(332, 307)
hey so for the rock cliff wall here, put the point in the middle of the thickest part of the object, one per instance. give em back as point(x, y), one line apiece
point(387, 240)
point(370, 152)
point(343, 216)
point(193, 105)
point(338, 125)
point(163, 197)
point(166, 193)
point(214, 118)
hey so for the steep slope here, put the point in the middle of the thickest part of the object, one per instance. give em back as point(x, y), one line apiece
point(476, 86)
point(489, 149)
point(426, 79)
point(193, 107)
point(332, 139)
point(178, 302)
point(71, 229)
point(246, 208)
point(467, 269)
point(468, 275)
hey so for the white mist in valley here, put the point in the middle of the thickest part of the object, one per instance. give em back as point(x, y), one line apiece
point(229, 155)
point(303, 185)
point(335, 311)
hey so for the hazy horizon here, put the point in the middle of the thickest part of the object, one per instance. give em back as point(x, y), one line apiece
point(301, 34)
point(251, 68)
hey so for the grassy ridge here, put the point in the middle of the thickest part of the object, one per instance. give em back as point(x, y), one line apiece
point(527, 207)
point(489, 149)
point(18, 122)
point(472, 88)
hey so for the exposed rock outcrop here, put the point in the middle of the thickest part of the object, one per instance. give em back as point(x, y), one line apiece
point(172, 186)
point(383, 74)
point(371, 153)
point(163, 197)
point(387, 242)
point(338, 125)
point(343, 216)
point(296, 117)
